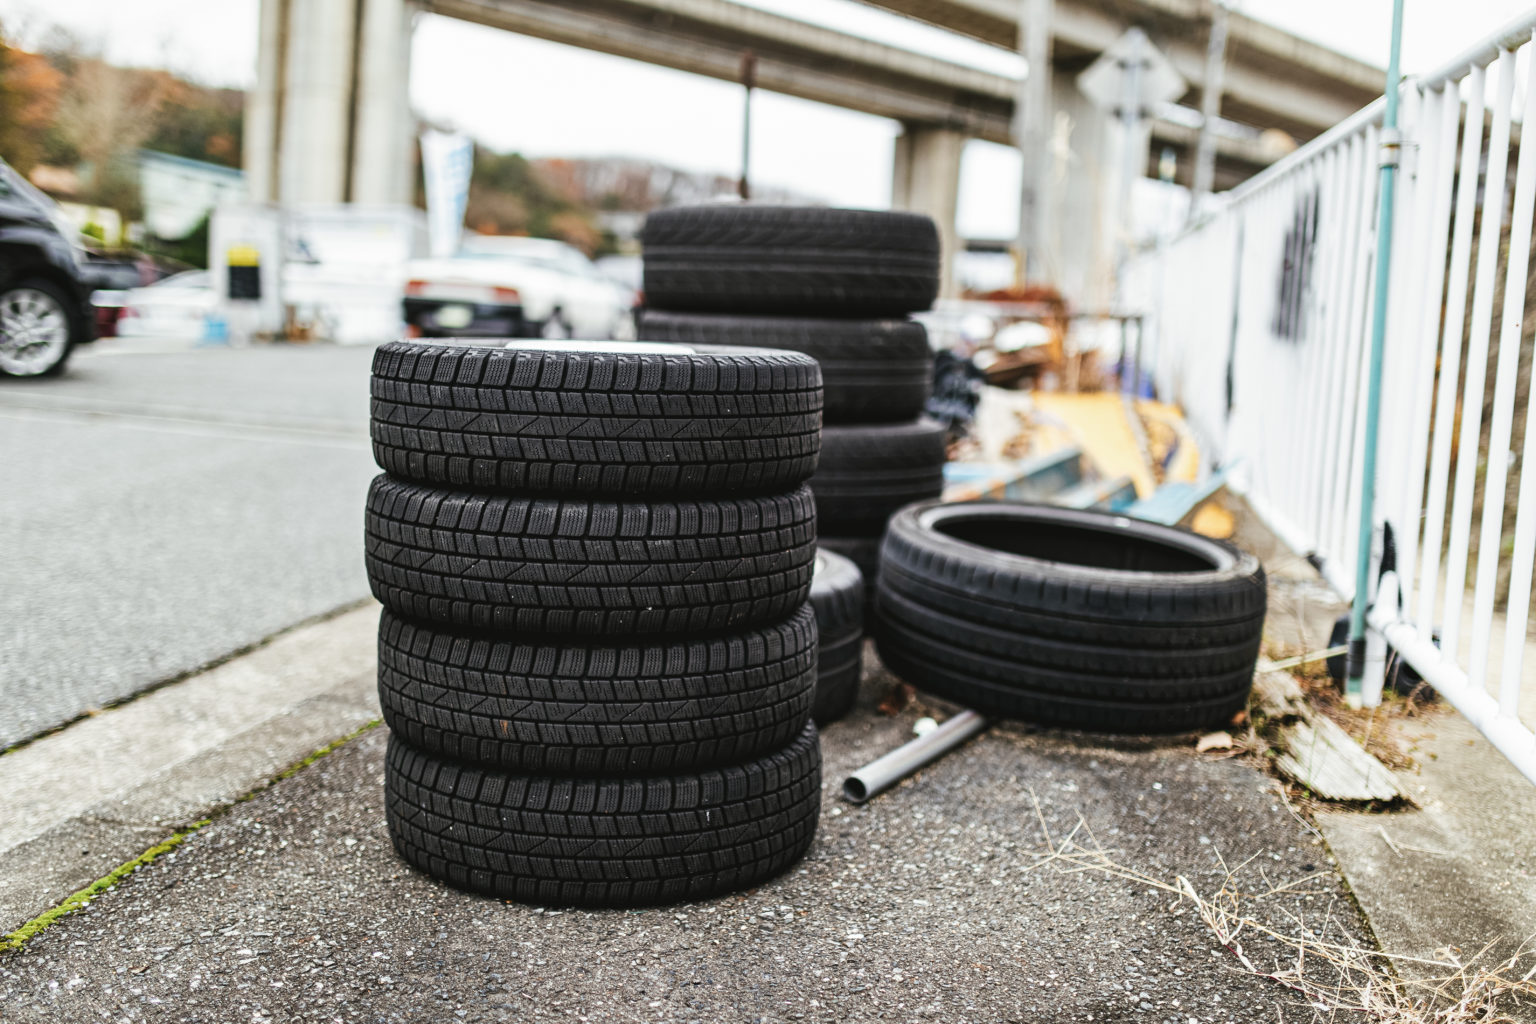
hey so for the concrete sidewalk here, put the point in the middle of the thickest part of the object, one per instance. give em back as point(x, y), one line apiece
point(929, 904)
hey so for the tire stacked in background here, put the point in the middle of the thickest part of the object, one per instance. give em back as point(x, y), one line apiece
point(596, 655)
point(836, 285)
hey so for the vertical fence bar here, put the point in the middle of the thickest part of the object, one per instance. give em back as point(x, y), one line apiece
point(1312, 367)
point(1519, 610)
point(1438, 165)
point(1335, 302)
point(1400, 346)
point(1283, 358)
point(1340, 547)
point(1495, 483)
point(1343, 343)
point(1477, 357)
point(1450, 348)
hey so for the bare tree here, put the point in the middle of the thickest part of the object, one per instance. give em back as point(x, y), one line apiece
point(106, 112)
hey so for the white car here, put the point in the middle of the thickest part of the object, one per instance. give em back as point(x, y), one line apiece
point(513, 287)
point(179, 308)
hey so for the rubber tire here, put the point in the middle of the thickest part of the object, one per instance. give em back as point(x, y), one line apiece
point(721, 420)
point(555, 841)
point(864, 553)
point(837, 595)
point(872, 371)
point(76, 334)
point(1137, 645)
point(570, 709)
point(790, 260)
point(572, 566)
point(868, 472)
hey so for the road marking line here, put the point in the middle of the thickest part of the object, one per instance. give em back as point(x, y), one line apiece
point(189, 427)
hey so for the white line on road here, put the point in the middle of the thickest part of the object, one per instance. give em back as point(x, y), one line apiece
point(186, 426)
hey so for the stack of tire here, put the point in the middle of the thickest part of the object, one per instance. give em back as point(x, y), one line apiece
point(837, 285)
point(596, 656)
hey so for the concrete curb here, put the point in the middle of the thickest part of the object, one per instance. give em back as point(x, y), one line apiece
point(79, 803)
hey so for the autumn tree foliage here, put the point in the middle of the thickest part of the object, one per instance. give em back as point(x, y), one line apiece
point(67, 106)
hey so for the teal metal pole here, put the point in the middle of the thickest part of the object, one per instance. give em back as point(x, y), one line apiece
point(1391, 152)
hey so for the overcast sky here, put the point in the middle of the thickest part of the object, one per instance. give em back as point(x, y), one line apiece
point(542, 99)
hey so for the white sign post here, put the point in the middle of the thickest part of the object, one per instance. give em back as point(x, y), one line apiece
point(1128, 81)
point(447, 158)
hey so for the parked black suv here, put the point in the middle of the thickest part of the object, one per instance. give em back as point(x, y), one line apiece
point(45, 307)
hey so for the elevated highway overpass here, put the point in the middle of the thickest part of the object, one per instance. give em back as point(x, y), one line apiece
point(329, 119)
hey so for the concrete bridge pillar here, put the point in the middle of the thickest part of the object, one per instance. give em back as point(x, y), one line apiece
point(329, 120)
point(925, 178)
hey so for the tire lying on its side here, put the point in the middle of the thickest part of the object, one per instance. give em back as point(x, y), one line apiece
point(569, 566)
point(1078, 619)
point(596, 418)
point(868, 472)
point(559, 841)
point(837, 595)
point(611, 709)
point(790, 260)
point(872, 371)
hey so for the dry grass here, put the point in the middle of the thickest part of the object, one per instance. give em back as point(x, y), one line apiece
point(1390, 731)
point(1270, 939)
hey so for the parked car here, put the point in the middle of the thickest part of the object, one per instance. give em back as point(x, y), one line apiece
point(110, 279)
point(499, 286)
point(178, 308)
point(45, 308)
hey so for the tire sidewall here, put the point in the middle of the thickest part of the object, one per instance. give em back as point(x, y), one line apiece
point(916, 525)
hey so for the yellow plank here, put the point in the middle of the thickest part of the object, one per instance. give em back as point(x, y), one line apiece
point(1098, 426)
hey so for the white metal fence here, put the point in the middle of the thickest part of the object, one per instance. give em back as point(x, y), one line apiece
point(1259, 318)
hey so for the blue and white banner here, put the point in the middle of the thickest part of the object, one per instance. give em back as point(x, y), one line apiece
point(447, 159)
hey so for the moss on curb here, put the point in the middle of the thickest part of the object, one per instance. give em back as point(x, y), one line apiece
point(13, 941)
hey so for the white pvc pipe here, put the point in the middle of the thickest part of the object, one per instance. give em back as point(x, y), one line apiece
point(1450, 348)
point(1505, 732)
point(1477, 361)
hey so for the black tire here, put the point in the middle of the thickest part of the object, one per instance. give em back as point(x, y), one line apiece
point(604, 842)
point(863, 552)
point(872, 371)
point(837, 595)
point(532, 420)
point(63, 315)
point(790, 261)
point(868, 472)
point(570, 566)
point(1078, 619)
point(572, 709)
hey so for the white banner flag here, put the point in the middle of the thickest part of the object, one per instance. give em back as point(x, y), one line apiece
point(447, 159)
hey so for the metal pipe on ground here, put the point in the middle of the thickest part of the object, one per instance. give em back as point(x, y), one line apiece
point(883, 773)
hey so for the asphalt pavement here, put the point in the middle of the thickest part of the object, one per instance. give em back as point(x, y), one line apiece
point(936, 902)
point(160, 510)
